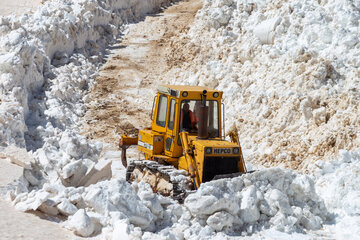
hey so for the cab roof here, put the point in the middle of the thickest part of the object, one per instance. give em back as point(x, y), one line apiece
point(176, 90)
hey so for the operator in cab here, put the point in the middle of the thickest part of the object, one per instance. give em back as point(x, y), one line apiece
point(188, 119)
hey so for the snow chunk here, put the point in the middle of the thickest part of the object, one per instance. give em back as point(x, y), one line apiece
point(67, 208)
point(80, 223)
point(118, 195)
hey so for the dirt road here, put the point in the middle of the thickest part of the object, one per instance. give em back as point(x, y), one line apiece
point(18, 7)
point(122, 100)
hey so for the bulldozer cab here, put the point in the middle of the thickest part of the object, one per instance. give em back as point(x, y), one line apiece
point(177, 109)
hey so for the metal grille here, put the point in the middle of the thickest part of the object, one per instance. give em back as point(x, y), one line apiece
point(219, 165)
point(168, 144)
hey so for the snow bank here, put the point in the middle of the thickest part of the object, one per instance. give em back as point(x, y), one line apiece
point(338, 183)
point(289, 71)
point(300, 89)
point(104, 207)
point(48, 61)
point(272, 198)
point(68, 33)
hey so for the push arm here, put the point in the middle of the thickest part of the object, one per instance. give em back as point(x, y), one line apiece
point(125, 142)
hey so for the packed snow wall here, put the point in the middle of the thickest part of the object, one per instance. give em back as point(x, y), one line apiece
point(289, 71)
point(44, 62)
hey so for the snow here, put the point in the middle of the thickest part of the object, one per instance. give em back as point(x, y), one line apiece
point(271, 198)
point(338, 183)
point(81, 223)
point(287, 68)
point(289, 71)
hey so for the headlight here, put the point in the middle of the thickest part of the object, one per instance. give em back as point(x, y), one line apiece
point(208, 150)
point(236, 150)
point(185, 94)
point(215, 94)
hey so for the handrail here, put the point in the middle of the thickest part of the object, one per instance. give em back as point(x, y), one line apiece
point(152, 109)
point(223, 120)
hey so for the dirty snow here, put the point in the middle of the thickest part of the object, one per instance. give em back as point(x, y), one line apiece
point(299, 87)
point(289, 71)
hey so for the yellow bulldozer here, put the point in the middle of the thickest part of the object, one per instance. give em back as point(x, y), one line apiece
point(185, 145)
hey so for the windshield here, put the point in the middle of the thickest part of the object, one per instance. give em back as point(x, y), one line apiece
point(189, 117)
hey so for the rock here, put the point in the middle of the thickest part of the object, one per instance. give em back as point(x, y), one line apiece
point(319, 115)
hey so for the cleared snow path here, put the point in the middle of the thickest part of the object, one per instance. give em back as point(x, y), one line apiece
point(122, 98)
point(18, 7)
point(46, 71)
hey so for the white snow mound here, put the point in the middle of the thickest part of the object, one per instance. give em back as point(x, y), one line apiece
point(271, 198)
point(289, 71)
point(338, 183)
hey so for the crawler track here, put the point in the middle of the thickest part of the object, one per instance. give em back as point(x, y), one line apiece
point(164, 179)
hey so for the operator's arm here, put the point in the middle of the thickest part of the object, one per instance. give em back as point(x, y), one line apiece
point(193, 119)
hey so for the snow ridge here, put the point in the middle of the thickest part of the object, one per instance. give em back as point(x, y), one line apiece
point(59, 33)
point(289, 71)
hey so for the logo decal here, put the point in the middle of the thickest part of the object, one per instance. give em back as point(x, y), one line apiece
point(145, 145)
point(222, 150)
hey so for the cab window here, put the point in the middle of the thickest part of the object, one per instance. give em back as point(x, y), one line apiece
point(161, 113)
point(171, 114)
point(189, 116)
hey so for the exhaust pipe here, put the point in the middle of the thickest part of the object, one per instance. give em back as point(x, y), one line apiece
point(203, 118)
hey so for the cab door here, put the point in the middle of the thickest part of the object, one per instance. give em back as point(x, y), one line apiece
point(172, 149)
point(160, 116)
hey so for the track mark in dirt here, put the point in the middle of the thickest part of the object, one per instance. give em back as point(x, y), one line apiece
point(122, 99)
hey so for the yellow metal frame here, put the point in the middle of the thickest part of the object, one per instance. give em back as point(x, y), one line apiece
point(190, 155)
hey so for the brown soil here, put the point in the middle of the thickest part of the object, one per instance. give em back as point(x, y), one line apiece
point(121, 102)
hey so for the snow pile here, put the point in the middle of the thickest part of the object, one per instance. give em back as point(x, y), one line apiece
point(338, 183)
point(295, 86)
point(48, 61)
point(104, 207)
point(33, 45)
point(272, 198)
point(289, 71)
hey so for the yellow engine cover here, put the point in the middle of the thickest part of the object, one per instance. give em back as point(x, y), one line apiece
point(150, 142)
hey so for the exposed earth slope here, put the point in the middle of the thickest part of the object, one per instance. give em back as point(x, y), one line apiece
point(122, 98)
